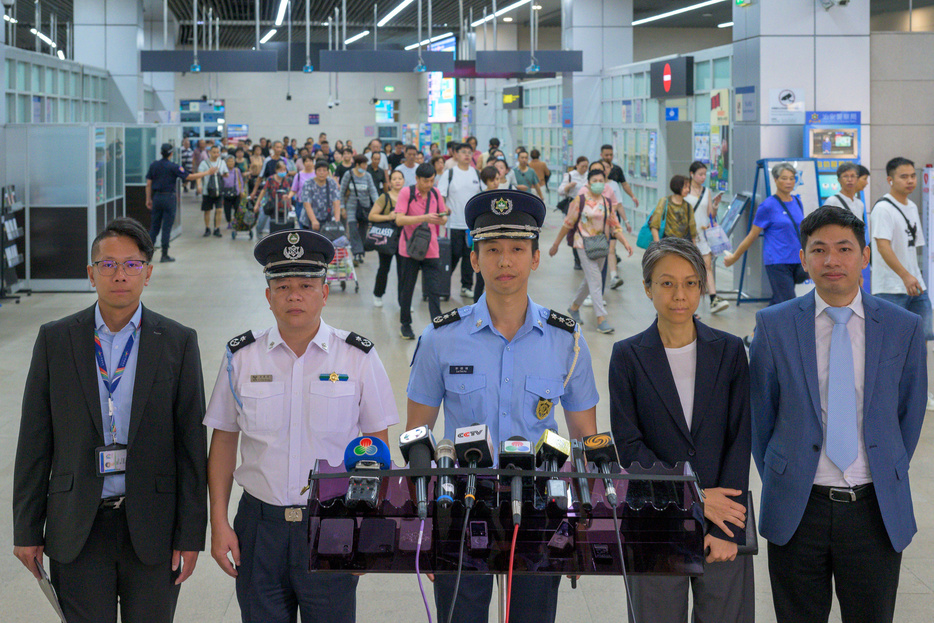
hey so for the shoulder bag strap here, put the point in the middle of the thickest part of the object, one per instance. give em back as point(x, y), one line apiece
point(912, 230)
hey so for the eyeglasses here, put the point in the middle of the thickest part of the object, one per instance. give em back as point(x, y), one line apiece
point(130, 267)
point(690, 284)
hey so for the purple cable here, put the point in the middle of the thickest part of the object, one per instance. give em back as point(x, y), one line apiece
point(418, 574)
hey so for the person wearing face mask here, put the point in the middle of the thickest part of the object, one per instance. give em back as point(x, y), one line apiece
point(359, 194)
point(590, 217)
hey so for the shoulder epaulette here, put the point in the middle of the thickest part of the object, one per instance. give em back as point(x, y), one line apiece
point(240, 341)
point(561, 321)
point(452, 316)
point(358, 341)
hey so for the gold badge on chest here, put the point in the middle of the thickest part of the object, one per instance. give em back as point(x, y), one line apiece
point(543, 408)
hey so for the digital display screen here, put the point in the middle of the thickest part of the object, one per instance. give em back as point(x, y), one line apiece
point(384, 111)
point(442, 92)
point(833, 143)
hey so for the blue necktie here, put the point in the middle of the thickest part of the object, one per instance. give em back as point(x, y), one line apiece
point(841, 393)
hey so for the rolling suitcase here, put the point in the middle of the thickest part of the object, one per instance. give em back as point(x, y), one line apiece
point(444, 279)
point(283, 217)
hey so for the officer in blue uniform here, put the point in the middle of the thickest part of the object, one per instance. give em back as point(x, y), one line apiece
point(160, 195)
point(504, 362)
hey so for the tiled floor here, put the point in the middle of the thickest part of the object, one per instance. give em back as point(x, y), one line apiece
point(217, 288)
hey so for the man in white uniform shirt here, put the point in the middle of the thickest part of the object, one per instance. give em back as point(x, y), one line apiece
point(297, 392)
point(896, 233)
point(457, 185)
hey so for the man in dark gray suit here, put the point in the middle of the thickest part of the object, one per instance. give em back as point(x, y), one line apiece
point(110, 472)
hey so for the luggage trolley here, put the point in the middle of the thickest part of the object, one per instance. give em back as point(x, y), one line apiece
point(341, 268)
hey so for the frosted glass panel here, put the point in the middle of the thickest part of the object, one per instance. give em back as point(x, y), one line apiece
point(702, 76)
point(68, 187)
point(721, 73)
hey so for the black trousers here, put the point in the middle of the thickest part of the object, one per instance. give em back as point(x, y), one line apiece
point(382, 274)
point(534, 598)
point(230, 206)
point(783, 278)
point(273, 581)
point(431, 271)
point(108, 570)
point(460, 251)
point(163, 217)
point(841, 541)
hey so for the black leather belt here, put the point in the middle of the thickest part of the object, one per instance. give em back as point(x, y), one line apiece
point(290, 514)
point(112, 503)
point(844, 494)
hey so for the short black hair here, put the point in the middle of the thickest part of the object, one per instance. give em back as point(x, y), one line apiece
point(460, 146)
point(595, 172)
point(832, 215)
point(360, 159)
point(321, 164)
point(896, 162)
point(535, 154)
point(126, 227)
point(398, 144)
point(581, 159)
point(494, 142)
point(696, 166)
point(847, 166)
point(861, 171)
point(425, 171)
point(607, 146)
point(521, 151)
point(488, 174)
point(410, 147)
point(451, 145)
point(677, 183)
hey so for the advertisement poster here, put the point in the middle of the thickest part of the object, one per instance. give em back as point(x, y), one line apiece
point(631, 153)
point(627, 111)
point(424, 137)
point(719, 176)
point(702, 142)
point(653, 159)
point(442, 92)
point(638, 118)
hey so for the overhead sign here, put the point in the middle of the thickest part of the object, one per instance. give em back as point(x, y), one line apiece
point(672, 78)
point(671, 113)
point(314, 119)
point(512, 98)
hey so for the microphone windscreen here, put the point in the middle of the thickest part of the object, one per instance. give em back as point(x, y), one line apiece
point(367, 448)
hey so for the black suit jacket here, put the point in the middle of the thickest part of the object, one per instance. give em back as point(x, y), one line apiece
point(648, 422)
point(56, 489)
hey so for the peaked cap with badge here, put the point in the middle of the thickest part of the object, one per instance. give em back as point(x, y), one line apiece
point(294, 253)
point(495, 214)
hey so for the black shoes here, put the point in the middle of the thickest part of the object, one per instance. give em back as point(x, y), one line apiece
point(406, 332)
point(166, 258)
point(217, 232)
point(207, 232)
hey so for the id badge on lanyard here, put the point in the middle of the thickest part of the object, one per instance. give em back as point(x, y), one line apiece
point(111, 459)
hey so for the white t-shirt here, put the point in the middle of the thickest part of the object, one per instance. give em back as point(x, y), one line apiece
point(887, 224)
point(683, 364)
point(463, 186)
point(407, 173)
point(854, 205)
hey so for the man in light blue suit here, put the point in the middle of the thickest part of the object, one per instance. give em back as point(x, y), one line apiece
point(839, 387)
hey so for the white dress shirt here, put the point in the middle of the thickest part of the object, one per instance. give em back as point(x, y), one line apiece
point(828, 474)
point(291, 417)
point(683, 364)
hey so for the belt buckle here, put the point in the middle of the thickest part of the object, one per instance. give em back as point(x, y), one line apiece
point(293, 514)
point(850, 495)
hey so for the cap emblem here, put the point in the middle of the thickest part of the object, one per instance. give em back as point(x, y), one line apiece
point(501, 206)
point(294, 252)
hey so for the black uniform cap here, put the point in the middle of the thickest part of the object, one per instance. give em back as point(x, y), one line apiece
point(294, 253)
point(504, 214)
point(167, 149)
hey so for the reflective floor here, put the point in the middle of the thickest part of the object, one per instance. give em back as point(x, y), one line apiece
point(217, 288)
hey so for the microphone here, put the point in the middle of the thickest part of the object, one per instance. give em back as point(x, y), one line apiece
point(580, 465)
point(516, 453)
point(444, 458)
point(551, 452)
point(365, 454)
point(601, 451)
point(474, 449)
point(418, 447)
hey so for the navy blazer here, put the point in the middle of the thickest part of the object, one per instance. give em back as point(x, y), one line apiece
point(648, 422)
point(787, 429)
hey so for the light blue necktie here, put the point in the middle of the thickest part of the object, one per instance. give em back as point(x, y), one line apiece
point(841, 393)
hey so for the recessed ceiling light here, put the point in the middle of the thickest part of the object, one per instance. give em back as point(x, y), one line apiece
point(537, 7)
point(707, 15)
point(507, 19)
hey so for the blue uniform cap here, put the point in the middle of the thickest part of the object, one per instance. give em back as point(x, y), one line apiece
point(496, 214)
point(294, 253)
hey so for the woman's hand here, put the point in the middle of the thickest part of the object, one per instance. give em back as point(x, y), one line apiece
point(729, 259)
point(719, 508)
point(553, 250)
point(719, 550)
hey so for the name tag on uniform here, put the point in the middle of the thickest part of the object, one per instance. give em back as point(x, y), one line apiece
point(111, 459)
point(260, 378)
point(460, 370)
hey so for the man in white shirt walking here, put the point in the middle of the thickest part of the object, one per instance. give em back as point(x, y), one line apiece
point(896, 235)
point(848, 197)
point(457, 185)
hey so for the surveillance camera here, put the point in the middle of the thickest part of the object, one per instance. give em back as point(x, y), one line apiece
point(337, 102)
point(288, 97)
point(330, 104)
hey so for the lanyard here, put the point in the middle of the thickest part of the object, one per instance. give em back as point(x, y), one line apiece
point(110, 384)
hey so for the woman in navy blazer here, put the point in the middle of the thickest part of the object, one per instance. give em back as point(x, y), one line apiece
point(679, 391)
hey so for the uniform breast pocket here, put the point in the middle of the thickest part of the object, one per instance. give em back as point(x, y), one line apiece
point(541, 396)
point(333, 408)
point(263, 405)
point(463, 393)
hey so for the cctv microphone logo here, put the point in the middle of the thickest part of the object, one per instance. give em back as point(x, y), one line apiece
point(598, 441)
point(468, 434)
point(366, 446)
